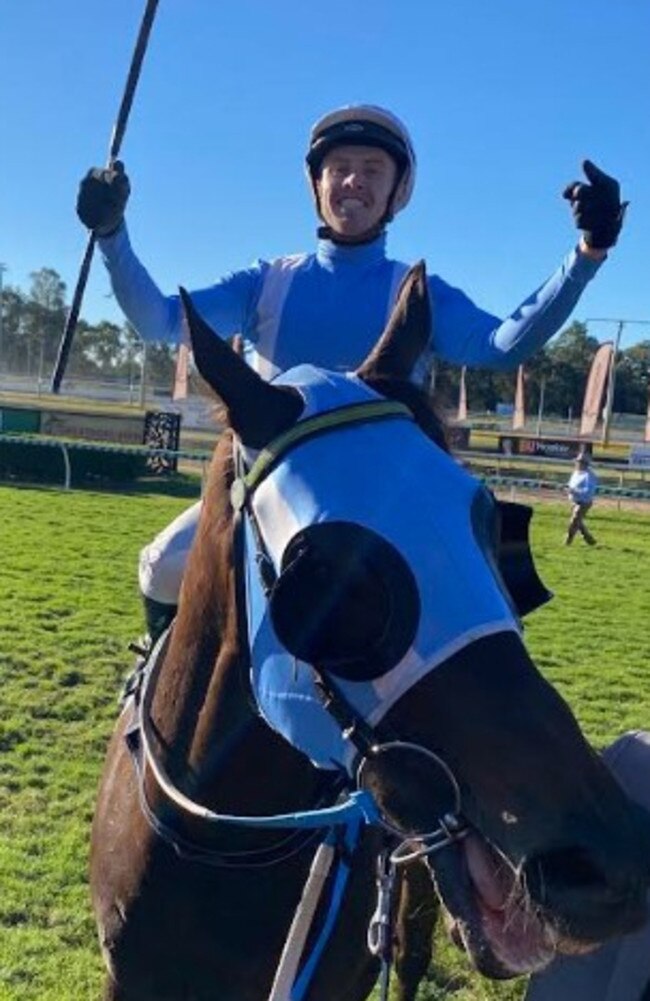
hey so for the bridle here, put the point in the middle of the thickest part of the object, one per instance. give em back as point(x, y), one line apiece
point(367, 740)
point(341, 823)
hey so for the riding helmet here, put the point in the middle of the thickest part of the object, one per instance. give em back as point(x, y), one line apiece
point(364, 125)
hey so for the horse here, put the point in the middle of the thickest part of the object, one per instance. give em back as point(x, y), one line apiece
point(343, 727)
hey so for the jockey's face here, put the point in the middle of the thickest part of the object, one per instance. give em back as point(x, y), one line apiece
point(354, 187)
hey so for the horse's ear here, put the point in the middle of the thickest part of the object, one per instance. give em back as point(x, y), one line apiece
point(407, 332)
point(257, 411)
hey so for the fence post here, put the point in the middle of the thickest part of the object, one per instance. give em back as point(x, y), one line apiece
point(66, 463)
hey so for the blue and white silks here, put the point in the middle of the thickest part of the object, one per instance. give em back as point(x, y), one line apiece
point(389, 477)
point(329, 307)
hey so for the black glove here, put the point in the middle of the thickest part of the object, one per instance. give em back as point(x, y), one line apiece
point(597, 207)
point(102, 198)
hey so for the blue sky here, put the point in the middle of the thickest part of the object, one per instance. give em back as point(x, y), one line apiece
point(504, 100)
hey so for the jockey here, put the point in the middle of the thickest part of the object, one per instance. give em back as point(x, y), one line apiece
point(328, 307)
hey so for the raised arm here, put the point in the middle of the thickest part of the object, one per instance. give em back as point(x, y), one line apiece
point(468, 335)
point(226, 305)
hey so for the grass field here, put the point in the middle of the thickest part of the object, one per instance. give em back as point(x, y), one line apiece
point(69, 606)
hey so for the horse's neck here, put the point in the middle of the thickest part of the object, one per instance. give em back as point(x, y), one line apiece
point(211, 734)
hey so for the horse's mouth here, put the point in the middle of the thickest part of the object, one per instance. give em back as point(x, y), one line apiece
point(488, 913)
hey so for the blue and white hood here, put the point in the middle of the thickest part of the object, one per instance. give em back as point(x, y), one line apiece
point(390, 478)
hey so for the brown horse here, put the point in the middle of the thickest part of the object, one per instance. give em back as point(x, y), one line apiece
point(428, 699)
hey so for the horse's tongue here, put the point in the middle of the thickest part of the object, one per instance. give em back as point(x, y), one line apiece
point(516, 937)
point(487, 874)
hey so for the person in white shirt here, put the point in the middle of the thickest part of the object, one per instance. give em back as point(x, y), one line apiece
point(581, 488)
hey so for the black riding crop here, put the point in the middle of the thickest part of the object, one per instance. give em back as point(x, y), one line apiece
point(113, 152)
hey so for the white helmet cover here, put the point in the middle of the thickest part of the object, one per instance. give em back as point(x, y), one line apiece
point(364, 125)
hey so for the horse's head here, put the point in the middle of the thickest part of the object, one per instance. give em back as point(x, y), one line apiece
point(375, 576)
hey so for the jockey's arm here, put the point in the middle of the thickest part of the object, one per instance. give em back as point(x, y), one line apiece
point(225, 306)
point(467, 335)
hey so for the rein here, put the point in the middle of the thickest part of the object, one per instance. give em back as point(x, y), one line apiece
point(139, 737)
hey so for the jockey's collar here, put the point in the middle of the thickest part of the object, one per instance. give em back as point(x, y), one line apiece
point(357, 413)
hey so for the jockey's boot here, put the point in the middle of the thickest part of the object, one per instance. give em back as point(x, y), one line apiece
point(157, 616)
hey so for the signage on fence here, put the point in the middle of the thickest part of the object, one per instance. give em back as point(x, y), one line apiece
point(548, 448)
point(639, 455)
point(93, 427)
point(162, 430)
point(19, 420)
point(158, 430)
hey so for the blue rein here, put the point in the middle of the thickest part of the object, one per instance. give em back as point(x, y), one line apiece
point(353, 814)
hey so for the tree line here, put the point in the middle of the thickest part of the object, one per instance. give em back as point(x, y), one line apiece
point(559, 373)
point(33, 321)
point(32, 325)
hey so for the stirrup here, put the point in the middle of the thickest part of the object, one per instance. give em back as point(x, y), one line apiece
point(140, 647)
point(133, 681)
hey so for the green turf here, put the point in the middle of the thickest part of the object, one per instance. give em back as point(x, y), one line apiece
point(69, 606)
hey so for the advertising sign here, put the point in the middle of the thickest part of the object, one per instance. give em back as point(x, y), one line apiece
point(93, 427)
point(548, 448)
point(20, 421)
point(519, 413)
point(596, 382)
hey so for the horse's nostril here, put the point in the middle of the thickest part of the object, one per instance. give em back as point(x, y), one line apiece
point(577, 887)
point(345, 600)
